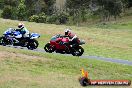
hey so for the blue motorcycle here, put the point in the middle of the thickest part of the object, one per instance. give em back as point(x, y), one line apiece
point(14, 37)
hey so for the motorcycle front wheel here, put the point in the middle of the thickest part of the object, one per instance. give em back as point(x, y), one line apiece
point(48, 48)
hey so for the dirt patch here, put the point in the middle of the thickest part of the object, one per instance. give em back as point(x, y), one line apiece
point(3, 55)
point(13, 55)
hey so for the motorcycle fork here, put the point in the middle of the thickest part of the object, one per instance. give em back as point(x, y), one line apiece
point(67, 48)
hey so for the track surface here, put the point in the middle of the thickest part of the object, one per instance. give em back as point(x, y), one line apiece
point(119, 61)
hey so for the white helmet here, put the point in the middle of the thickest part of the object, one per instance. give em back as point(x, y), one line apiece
point(20, 25)
point(67, 31)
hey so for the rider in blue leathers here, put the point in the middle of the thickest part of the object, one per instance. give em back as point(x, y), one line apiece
point(23, 30)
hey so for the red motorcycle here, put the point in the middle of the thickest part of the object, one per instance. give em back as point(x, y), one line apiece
point(60, 44)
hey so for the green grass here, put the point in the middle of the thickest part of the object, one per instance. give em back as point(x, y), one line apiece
point(29, 69)
point(113, 40)
point(120, 25)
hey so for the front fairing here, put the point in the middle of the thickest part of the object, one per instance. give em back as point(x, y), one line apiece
point(34, 35)
point(54, 38)
point(81, 42)
point(7, 32)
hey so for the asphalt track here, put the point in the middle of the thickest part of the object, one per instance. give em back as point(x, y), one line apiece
point(118, 61)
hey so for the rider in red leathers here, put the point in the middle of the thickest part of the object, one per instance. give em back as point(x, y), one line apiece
point(72, 37)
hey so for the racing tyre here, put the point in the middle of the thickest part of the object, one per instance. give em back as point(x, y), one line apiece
point(48, 48)
point(32, 44)
point(1, 38)
point(77, 51)
point(3, 41)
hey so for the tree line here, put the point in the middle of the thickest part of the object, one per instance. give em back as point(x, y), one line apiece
point(72, 11)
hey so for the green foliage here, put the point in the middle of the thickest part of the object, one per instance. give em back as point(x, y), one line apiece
point(33, 18)
point(105, 8)
point(55, 18)
point(1, 4)
point(77, 10)
point(41, 18)
point(12, 3)
point(21, 10)
point(61, 18)
point(51, 19)
point(49, 6)
point(49, 2)
point(30, 7)
point(7, 12)
point(73, 12)
point(109, 8)
point(127, 3)
point(45, 6)
point(0, 12)
point(40, 6)
point(77, 4)
point(14, 13)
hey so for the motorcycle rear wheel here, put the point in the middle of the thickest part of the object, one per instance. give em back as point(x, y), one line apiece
point(1, 40)
point(4, 41)
point(32, 44)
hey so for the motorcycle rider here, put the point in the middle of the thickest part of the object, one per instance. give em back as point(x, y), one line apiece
point(23, 30)
point(72, 37)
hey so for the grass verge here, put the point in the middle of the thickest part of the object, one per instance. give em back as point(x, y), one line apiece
point(29, 69)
